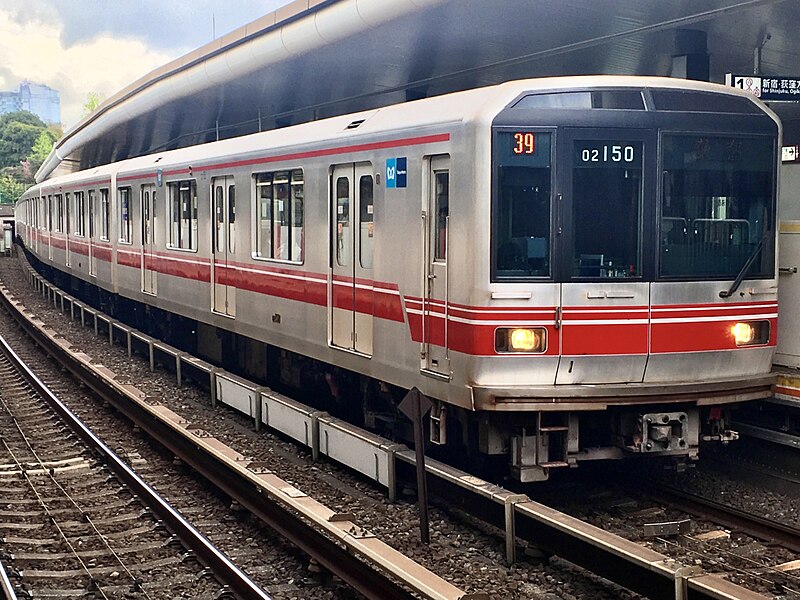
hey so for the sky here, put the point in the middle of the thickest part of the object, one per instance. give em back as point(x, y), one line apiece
point(80, 47)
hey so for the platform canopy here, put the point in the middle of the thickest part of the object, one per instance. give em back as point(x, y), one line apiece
point(317, 58)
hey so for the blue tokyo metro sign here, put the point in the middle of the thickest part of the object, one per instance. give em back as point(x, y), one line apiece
point(396, 172)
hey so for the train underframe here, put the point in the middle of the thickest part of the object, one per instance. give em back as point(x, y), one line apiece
point(528, 444)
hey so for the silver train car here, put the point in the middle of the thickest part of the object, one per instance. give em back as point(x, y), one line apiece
point(569, 268)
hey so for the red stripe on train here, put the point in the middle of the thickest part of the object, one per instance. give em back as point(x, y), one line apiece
point(605, 334)
point(399, 143)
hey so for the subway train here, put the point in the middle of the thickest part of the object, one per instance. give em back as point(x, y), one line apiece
point(570, 269)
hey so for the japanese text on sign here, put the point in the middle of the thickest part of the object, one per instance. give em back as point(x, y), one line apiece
point(767, 88)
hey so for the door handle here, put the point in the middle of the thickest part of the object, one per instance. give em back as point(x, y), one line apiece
point(604, 294)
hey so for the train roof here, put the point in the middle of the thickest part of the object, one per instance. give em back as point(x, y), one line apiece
point(477, 104)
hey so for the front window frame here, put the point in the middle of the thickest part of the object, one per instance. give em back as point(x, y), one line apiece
point(768, 249)
point(496, 273)
point(602, 262)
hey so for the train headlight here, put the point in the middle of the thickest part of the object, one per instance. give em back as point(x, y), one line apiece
point(750, 333)
point(522, 339)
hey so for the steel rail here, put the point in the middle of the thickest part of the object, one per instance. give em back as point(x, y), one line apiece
point(6, 589)
point(781, 534)
point(623, 562)
point(227, 573)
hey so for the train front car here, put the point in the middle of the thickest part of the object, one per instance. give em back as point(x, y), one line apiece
point(633, 271)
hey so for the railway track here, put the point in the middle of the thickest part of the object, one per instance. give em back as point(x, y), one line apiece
point(76, 521)
point(723, 514)
point(330, 538)
point(626, 563)
point(769, 466)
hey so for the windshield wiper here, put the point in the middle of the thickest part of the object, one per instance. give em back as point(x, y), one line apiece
point(740, 276)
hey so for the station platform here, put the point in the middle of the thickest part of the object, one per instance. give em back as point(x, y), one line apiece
point(787, 390)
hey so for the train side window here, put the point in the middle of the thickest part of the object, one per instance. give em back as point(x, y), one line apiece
point(92, 196)
point(442, 209)
point(124, 215)
point(105, 216)
point(49, 207)
point(67, 212)
point(219, 218)
point(521, 226)
point(366, 221)
point(183, 215)
point(343, 243)
point(80, 214)
point(59, 206)
point(231, 218)
point(279, 215)
point(264, 215)
point(146, 233)
point(298, 215)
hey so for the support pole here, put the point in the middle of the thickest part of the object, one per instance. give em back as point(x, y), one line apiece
point(415, 406)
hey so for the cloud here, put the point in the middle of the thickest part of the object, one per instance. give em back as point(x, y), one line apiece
point(34, 50)
point(83, 46)
point(167, 26)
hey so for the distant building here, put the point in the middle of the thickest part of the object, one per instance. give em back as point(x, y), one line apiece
point(43, 101)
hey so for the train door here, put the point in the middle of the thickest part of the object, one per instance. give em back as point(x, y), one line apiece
point(435, 356)
point(605, 303)
point(350, 288)
point(223, 201)
point(148, 207)
point(92, 200)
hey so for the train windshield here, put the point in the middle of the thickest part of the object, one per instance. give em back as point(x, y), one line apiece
point(606, 203)
point(523, 215)
point(716, 205)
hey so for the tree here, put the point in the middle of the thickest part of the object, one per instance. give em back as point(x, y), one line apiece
point(93, 100)
point(41, 149)
point(10, 188)
point(25, 142)
point(19, 131)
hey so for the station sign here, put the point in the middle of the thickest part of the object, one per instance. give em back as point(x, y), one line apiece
point(781, 89)
point(790, 154)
